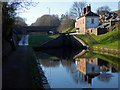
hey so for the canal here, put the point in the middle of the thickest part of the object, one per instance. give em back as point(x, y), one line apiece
point(74, 68)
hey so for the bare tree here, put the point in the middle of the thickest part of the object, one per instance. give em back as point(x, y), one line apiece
point(103, 10)
point(77, 9)
point(66, 22)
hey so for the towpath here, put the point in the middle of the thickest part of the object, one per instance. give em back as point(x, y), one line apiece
point(15, 67)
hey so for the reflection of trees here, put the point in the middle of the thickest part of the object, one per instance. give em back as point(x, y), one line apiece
point(67, 64)
point(104, 77)
point(49, 63)
point(78, 77)
point(71, 68)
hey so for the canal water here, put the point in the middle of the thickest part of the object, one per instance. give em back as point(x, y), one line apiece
point(66, 68)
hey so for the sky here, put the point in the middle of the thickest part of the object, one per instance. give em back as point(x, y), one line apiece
point(61, 7)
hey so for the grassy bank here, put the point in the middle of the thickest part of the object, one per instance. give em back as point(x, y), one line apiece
point(108, 40)
point(73, 30)
point(69, 30)
point(38, 39)
point(111, 59)
point(86, 39)
point(66, 30)
point(36, 77)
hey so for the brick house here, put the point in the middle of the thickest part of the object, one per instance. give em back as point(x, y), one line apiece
point(86, 22)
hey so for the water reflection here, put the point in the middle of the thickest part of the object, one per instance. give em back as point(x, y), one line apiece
point(65, 53)
point(49, 63)
point(78, 69)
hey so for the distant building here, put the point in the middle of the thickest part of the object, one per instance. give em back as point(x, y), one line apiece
point(110, 16)
point(87, 21)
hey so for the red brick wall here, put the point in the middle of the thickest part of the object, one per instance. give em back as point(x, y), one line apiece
point(81, 66)
point(81, 24)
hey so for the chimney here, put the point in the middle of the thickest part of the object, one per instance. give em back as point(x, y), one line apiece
point(88, 8)
point(84, 10)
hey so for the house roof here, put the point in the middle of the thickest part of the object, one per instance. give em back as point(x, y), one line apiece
point(90, 13)
point(118, 12)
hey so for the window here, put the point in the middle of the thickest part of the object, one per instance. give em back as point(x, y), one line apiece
point(93, 69)
point(91, 60)
point(92, 21)
point(91, 30)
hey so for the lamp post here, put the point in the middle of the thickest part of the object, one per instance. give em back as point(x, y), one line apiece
point(49, 10)
point(49, 18)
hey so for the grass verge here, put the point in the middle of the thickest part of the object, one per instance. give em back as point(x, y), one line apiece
point(108, 40)
point(111, 59)
point(86, 39)
point(37, 40)
point(36, 77)
point(66, 30)
point(73, 30)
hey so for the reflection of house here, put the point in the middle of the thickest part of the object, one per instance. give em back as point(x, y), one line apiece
point(92, 67)
point(88, 67)
point(87, 21)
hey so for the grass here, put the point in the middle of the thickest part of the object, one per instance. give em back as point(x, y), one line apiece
point(108, 40)
point(111, 59)
point(73, 30)
point(86, 39)
point(38, 39)
point(66, 30)
point(36, 81)
point(86, 55)
point(45, 56)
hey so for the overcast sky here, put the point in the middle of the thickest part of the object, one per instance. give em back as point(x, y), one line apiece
point(61, 7)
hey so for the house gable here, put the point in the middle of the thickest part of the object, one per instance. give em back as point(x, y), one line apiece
point(86, 21)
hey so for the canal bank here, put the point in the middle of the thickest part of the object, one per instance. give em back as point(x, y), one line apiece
point(62, 41)
point(38, 78)
point(67, 73)
point(107, 51)
point(64, 70)
point(108, 42)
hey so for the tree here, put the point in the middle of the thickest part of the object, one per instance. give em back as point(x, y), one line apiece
point(20, 21)
point(77, 9)
point(8, 17)
point(47, 20)
point(66, 22)
point(103, 10)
